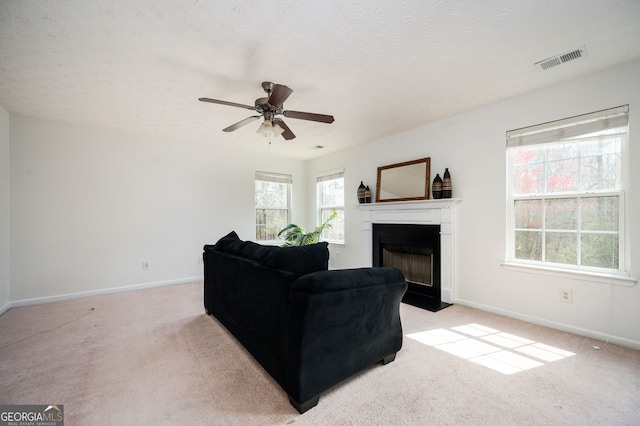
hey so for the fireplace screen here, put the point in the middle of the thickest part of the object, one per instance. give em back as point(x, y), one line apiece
point(415, 262)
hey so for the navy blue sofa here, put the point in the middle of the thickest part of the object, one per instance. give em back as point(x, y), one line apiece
point(309, 327)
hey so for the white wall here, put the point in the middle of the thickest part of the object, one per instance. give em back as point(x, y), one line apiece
point(89, 205)
point(472, 146)
point(4, 209)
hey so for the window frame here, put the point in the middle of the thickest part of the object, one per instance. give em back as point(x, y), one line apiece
point(558, 132)
point(325, 177)
point(277, 178)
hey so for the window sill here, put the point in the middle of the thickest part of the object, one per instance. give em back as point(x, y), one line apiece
point(578, 275)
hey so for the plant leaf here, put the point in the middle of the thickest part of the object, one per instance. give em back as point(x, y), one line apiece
point(295, 235)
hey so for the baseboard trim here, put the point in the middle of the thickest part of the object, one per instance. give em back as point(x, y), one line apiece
point(580, 331)
point(69, 296)
point(4, 308)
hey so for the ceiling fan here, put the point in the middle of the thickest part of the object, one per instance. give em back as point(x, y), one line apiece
point(270, 108)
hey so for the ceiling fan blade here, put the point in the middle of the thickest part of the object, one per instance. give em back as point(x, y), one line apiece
point(279, 95)
point(216, 101)
point(309, 116)
point(287, 134)
point(241, 123)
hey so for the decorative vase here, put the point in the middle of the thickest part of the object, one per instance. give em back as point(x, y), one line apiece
point(361, 193)
point(367, 195)
point(436, 188)
point(446, 184)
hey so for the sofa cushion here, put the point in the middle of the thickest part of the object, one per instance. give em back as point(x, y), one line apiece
point(228, 240)
point(300, 260)
point(232, 244)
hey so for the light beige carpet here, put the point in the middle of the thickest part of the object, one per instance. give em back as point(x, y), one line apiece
point(153, 357)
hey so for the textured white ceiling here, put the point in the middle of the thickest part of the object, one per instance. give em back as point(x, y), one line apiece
point(379, 67)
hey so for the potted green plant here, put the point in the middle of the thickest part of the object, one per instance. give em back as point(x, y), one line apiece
point(295, 235)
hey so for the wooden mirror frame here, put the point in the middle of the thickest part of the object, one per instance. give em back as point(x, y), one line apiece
point(407, 175)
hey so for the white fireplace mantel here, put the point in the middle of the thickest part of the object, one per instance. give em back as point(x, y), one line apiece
point(428, 212)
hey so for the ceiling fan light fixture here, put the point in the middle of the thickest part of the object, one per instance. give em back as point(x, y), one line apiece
point(277, 130)
point(266, 128)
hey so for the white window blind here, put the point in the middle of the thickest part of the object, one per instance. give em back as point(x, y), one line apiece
point(273, 177)
point(569, 128)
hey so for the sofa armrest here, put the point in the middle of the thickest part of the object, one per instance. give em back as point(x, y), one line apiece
point(340, 322)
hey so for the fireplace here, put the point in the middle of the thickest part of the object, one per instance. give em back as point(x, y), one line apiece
point(436, 219)
point(415, 250)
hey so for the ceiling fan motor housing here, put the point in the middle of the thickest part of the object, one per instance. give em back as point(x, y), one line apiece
point(262, 106)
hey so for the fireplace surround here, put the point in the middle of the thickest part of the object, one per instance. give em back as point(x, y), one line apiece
point(439, 213)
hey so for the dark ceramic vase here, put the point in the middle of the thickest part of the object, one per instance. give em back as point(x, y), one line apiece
point(436, 187)
point(361, 193)
point(446, 184)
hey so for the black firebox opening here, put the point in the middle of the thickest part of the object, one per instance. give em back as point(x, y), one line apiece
point(414, 249)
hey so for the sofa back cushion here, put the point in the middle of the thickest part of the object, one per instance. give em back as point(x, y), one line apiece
point(299, 260)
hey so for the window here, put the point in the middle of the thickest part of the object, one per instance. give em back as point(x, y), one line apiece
point(330, 190)
point(566, 193)
point(273, 204)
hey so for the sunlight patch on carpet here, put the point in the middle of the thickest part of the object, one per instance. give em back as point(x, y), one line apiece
point(503, 352)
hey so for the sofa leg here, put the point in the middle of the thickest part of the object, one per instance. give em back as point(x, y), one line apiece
point(305, 406)
point(389, 358)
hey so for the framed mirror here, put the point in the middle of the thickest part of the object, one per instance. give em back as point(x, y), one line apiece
point(404, 181)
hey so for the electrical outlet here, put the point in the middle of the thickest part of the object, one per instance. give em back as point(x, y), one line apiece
point(200, 260)
point(146, 266)
point(566, 296)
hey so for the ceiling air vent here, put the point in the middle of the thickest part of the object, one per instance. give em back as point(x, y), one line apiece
point(561, 59)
